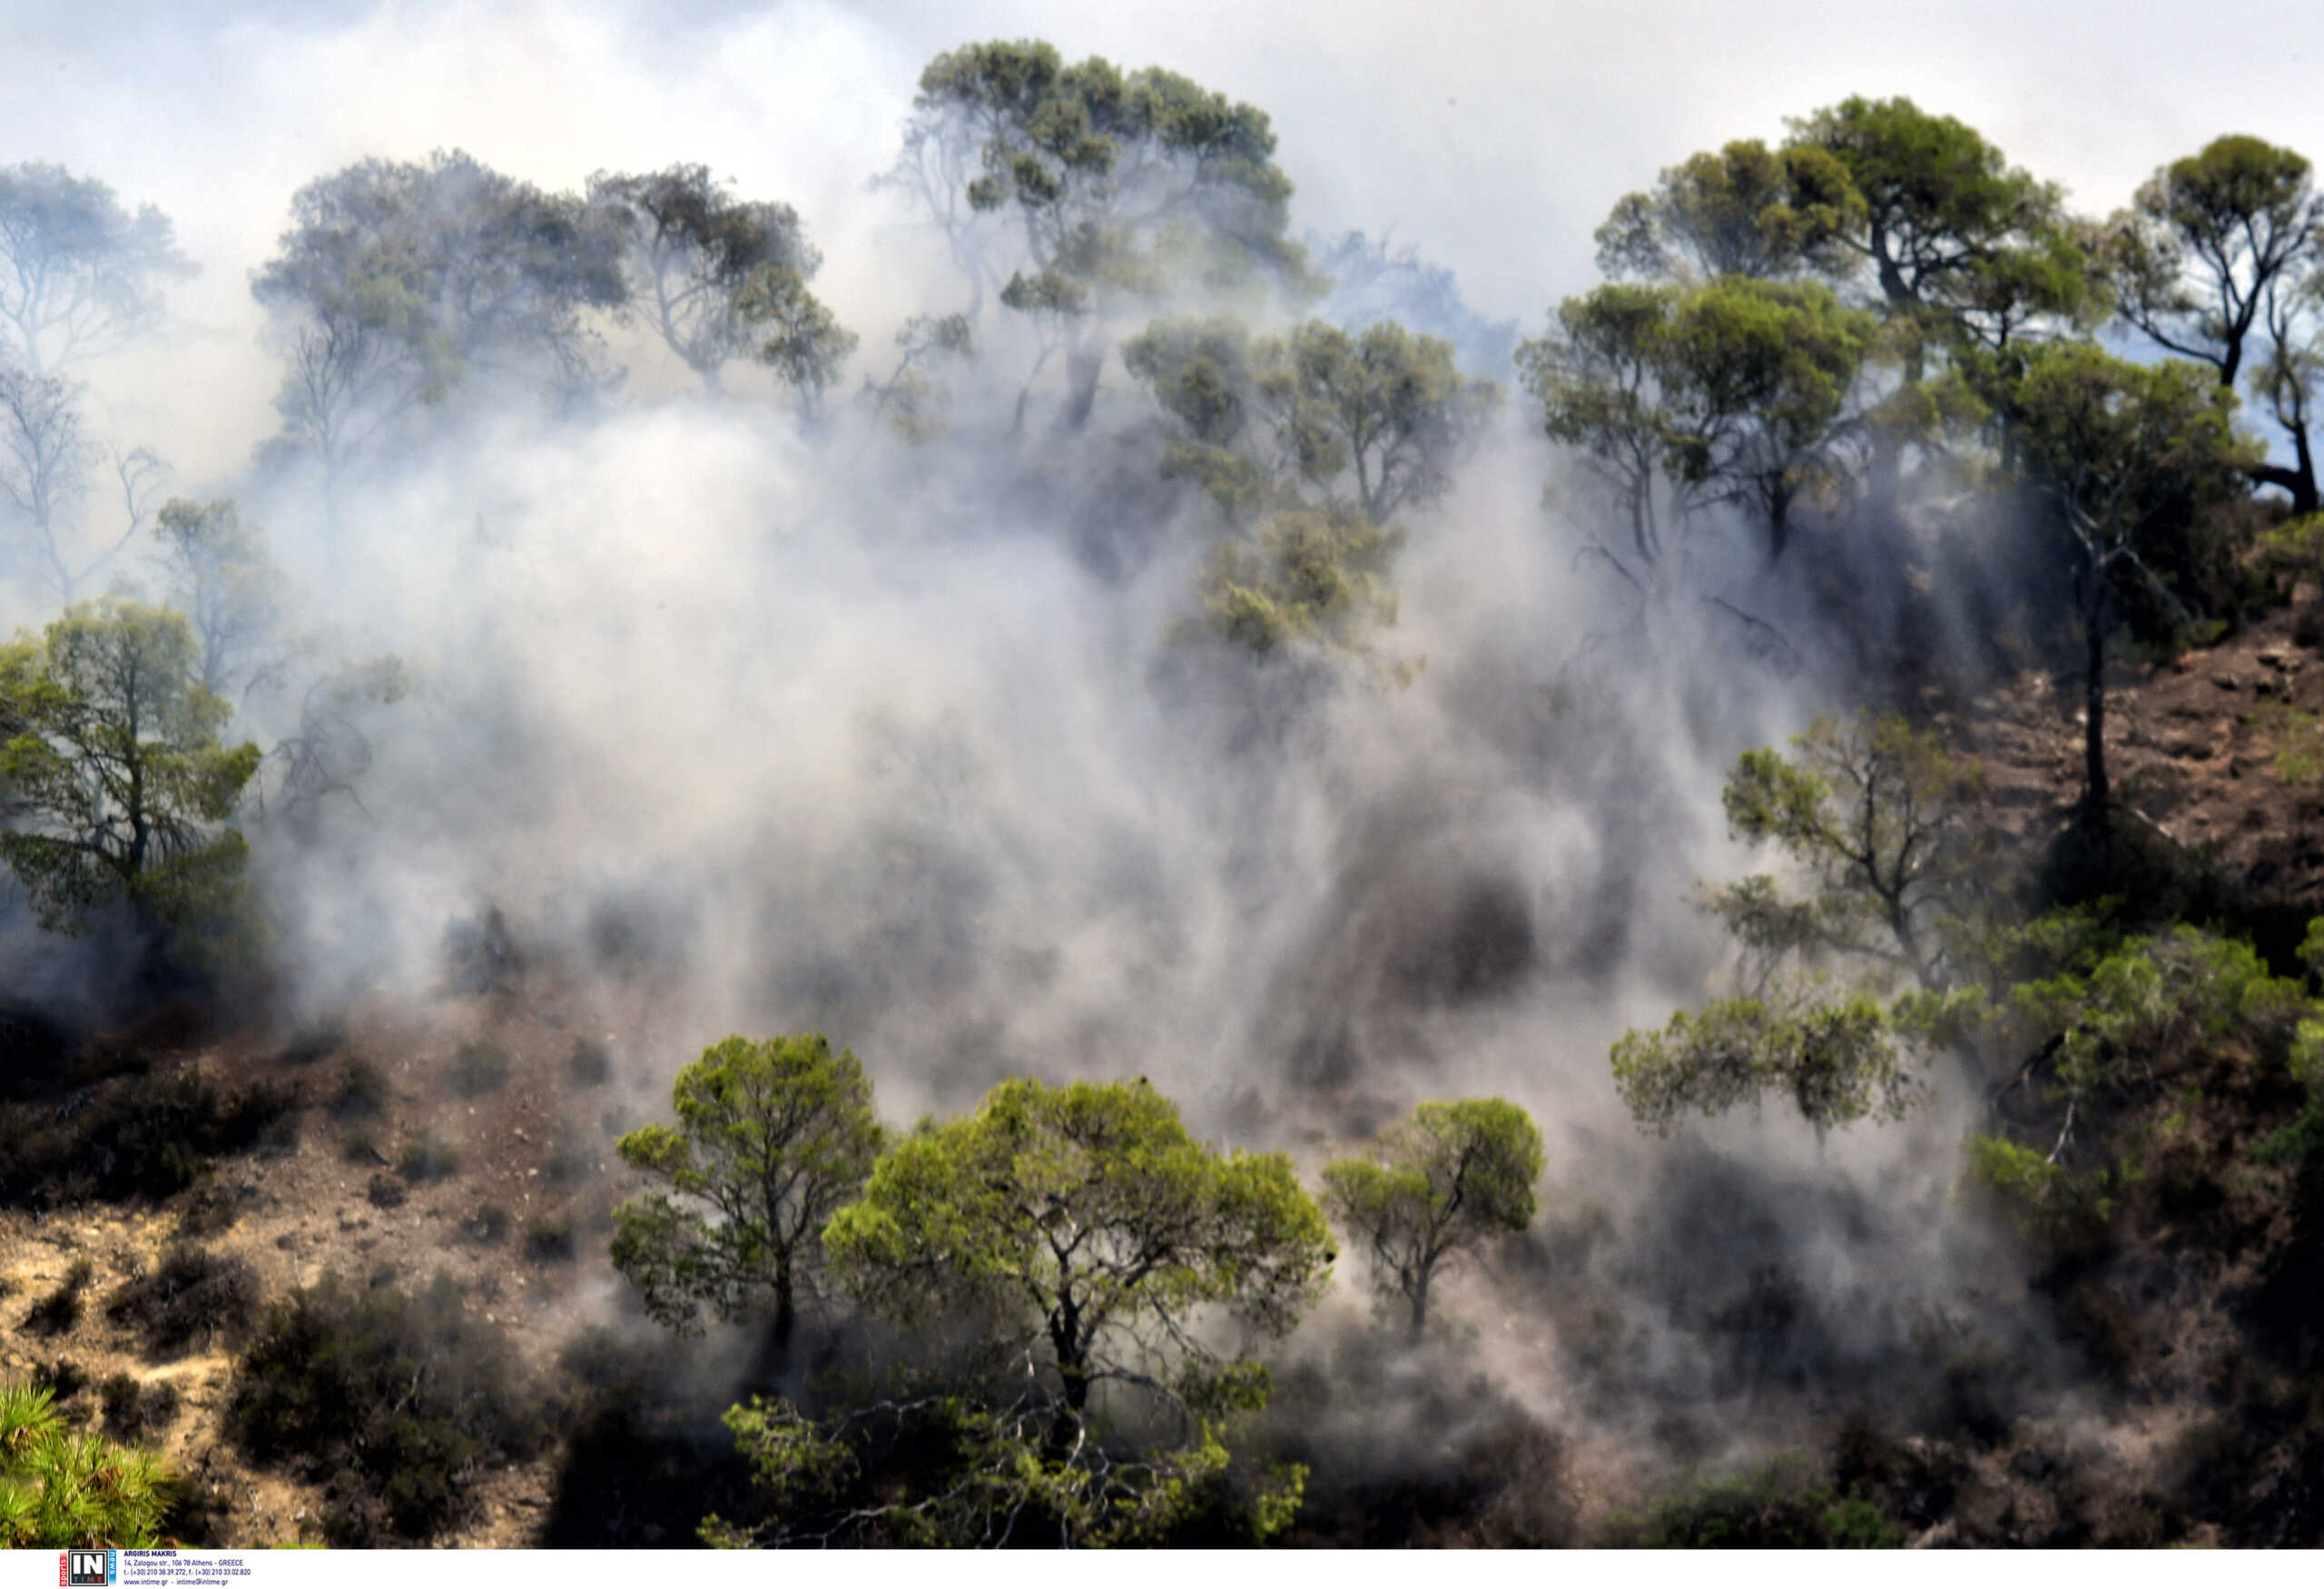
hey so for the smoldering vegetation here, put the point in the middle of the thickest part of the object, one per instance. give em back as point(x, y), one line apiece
point(998, 660)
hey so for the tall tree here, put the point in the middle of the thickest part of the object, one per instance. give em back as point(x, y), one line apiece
point(1967, 255)
point(2223, 251)
point(1090, 1220)
point(47, 457)
point(1599, 376)
point(691, 252)
point(399, 280)
point(1311, 442)
point(2291, 382)
point(1435, 1187)
point(1850, 961)
point(1119, 181)
point(1080, 1237)
point(80, 276)
point(772, 1138)
point(116, 783)
point(2132, 458)
point(2211, 241)
point(219, 575)
point(1874, 816)
point(1756, 375)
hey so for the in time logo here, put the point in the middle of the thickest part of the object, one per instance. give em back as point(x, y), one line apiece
point(78, 1568)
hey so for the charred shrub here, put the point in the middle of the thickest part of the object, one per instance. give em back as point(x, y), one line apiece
point(592, 1064)
point(315, 1042)
point(646, 1456)
point(427, 1158)
point(193, 1298)
point(549, 1239)
point(37, 1052)
point(1913, 1480)
point(488, 1226)
point(392, 1403)
point(480, 954)
point(571, 1156)
point(385, 1192)
point(1494, 1476)
point(135, 1410)
point(146, 1137)
point(210, 1210)
point(64, 1379)
point(1976, 1396)
point(476, 1069)
point(60, 1310)
point(363, 1093)
point(2106, 1330)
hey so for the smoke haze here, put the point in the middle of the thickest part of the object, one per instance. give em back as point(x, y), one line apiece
point(747, 727)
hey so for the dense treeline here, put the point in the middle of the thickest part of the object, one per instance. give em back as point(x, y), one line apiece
point(1875, 346)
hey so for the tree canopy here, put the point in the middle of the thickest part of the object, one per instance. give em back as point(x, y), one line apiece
point(80, 276)
point(1433, 1187)
point(2222, 254)
point(694, 255)
point(1745, 210)
point(1118, 181)
point(116, 783)
point(399, 280)
point(1082, 1234)
point(1093, 1224)
point(773, 1137)
point(2135, 461)
point(1872, 817)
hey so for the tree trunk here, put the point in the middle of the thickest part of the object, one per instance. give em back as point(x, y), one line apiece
point(1778, 520)
point(786, 1312)
point(1420, 1307)
point(1883, 479)
point(2299, 480)
point(1081, 372)
point(2096, 796)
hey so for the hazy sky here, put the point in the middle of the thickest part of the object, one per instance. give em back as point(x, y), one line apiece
point(1492, 133)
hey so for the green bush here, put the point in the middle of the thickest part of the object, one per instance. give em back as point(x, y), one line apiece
point(394, 1404)
point(476, 1069)
point(2062, 1214)
point(59, 1489)
point(1782, 1504)
point(193, 1297)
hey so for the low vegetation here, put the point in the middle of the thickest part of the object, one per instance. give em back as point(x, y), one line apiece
point(393, 1404)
